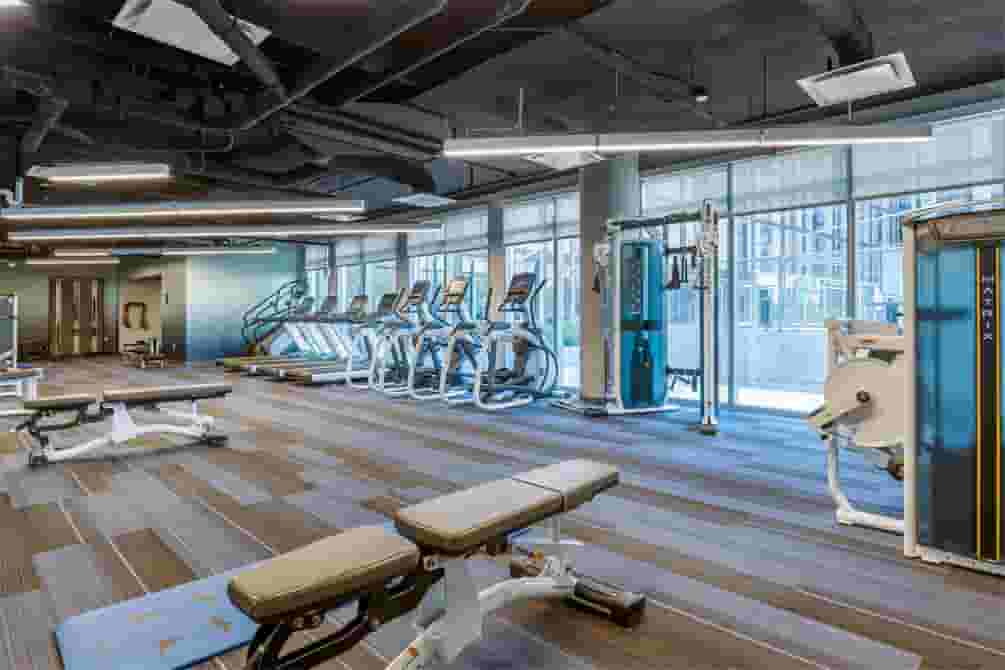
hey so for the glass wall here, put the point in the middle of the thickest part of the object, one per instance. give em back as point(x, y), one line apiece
point(542, 236)
point(673, 194)
point(460, 248)
point(317, 271)
point(349, 270)
point(380, 274)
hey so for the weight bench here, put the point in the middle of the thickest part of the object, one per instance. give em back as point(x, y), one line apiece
point(116, 404)
point(388, 575)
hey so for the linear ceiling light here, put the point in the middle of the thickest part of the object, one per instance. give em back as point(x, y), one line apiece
point(101, 172)
point(72, 261)
point(81, 253)
point(218, 232)
point(178, 210)
point(779, 136)
point(4, 4)
point(222, 251)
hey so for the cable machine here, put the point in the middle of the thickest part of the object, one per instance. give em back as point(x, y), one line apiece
point(631, 275)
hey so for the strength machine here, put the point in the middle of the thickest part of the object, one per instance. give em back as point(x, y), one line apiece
point(863, 409)
point(630, 274)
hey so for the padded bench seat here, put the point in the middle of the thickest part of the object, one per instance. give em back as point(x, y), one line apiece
point(322, 574)
point(167, 393)
point(461, 522)
point(60, 403)
point(15, 374)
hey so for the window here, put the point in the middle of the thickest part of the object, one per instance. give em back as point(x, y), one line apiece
point(349, 270)
point(429, 268)
point(475, 266)
point(783, 296)
point(542, 236)
point(317, 271)
point(380, 253)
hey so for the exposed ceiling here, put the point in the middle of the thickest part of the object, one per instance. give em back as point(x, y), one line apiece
point(354, 97)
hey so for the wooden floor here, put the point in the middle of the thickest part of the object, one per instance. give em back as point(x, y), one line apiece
point(732, 538)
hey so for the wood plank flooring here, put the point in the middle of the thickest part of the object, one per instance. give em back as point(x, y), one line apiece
point(732, 537)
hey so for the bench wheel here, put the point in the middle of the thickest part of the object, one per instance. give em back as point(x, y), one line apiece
point(216, 440)
point(37, 460)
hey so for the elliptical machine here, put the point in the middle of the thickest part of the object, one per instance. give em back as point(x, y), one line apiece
point(534, 374)
point(392, 348)
point(430, 374)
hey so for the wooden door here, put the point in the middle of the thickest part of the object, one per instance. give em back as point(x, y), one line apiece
point(86, 316)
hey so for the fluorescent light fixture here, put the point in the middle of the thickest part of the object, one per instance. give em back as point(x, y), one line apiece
point(5, 4)
point(81, 253)
point(100, 172)
point(218, 232)
point(72, 261)
point(429, 200)
point(519, 146)
point(860, 80)
point(778, 136)
point(221, 251)
point(178, 210)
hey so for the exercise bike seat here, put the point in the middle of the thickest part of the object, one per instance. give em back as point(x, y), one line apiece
point(323, 575)
point(60, 403)
point(461, 522)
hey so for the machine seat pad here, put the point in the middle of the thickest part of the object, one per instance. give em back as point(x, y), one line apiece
point(460, 522)
point(167, 393)
point(323, 574)
point(14, 374)
point(60, 403)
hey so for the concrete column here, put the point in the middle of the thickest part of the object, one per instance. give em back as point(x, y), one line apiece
point(497, 257)
point(608, 190)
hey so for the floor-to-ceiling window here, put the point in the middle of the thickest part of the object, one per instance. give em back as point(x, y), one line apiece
point(465, 244)
point(965, 162)
point(542, 236)
point(425, 257)
point(675, 194)
point(380, 266)
point(349, 270)
point(790, 263)
point(317, 271)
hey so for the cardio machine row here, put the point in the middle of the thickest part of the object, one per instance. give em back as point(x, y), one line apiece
point(424, 344)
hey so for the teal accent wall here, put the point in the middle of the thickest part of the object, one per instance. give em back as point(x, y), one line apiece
point(221, 288)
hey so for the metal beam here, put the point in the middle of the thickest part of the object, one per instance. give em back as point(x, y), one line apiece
point(842, 23)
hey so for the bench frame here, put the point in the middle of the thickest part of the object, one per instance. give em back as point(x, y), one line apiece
point(22, 388)
point(199, 428)
point(450, 609)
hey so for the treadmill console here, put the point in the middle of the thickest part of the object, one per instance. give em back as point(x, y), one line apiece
point(456, 291)
point(387, 303)
point(520, 288)
point(357, 308)
point(419, 293)
point(328, 306)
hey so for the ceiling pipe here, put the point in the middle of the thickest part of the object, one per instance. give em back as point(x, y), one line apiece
point(509, 10)
point(228, 29)
point(842, 23)
point(266, 104)
point(681, 91)
point(50, 111)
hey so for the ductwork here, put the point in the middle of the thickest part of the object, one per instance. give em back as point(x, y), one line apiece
point(50, 111)
point(228, 29)
point(842, 23)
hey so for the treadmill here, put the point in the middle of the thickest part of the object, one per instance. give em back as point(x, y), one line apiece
point(327, 327)
point(361, 329)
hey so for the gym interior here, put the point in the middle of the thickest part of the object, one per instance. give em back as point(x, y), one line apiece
point(610, 334)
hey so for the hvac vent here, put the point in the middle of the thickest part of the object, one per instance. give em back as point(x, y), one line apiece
point(175, 24)
point(565, 160)
point(861, 80)
point(429, 200)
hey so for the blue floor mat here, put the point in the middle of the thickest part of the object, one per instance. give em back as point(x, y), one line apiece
point(168, 630)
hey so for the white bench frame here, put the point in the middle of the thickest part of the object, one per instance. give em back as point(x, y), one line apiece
point(200, 428)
